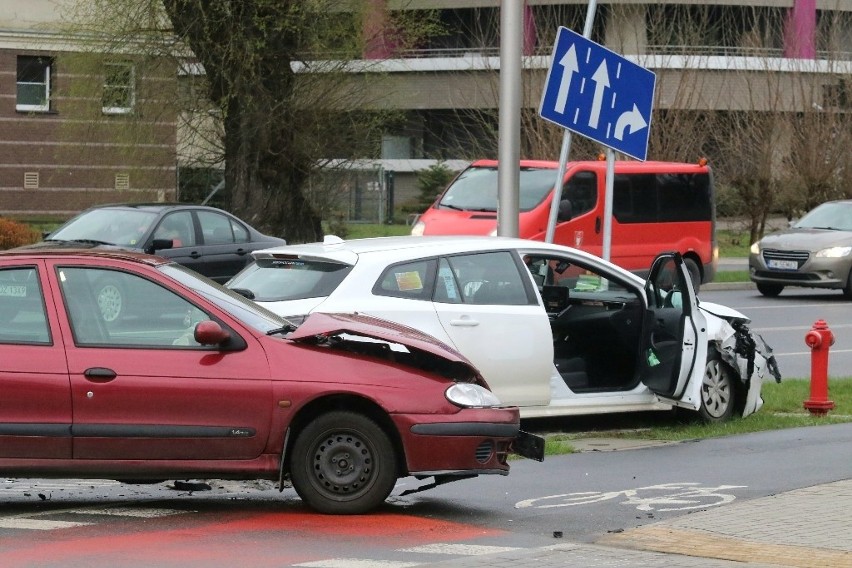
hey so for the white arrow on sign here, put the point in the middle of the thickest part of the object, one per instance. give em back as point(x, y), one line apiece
point(601, 79)
point(569, 63)
point(632, 119)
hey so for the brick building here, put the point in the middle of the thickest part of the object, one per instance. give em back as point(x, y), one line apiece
point(77, 128)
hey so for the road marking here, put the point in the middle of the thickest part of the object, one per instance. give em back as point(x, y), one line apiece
point(37, 524)
point(129, 512)
point(458, 549)
point(357, 563)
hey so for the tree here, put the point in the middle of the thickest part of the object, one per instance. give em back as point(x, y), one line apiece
point(275, 77)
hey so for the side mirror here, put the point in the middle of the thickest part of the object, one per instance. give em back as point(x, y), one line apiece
point(209, 332)
point(159, 244)
point(565, 211)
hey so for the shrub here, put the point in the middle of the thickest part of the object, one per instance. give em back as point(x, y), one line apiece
point(14, 234)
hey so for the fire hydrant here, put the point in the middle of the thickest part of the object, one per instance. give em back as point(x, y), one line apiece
point(819, 339)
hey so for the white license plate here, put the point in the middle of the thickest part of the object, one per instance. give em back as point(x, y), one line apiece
point(783, 264)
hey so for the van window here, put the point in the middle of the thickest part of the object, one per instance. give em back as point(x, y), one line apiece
point(661, 198)
point(475, 189)
point(582, 191)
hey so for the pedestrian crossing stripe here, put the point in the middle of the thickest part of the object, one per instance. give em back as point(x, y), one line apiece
point(36, 521)
point(437, 548)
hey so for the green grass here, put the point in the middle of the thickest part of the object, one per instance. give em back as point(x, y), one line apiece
point(731, 276)
point(732, 243)
point(782, 408)
point(363, 230)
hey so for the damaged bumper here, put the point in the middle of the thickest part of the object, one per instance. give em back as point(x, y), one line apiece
point(751, 357)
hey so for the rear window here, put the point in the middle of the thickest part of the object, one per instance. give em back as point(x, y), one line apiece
point(276, 279)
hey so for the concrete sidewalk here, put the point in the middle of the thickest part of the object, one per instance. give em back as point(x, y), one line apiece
point(805, 528)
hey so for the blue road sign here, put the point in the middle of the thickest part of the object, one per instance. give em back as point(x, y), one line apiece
point(599, 94)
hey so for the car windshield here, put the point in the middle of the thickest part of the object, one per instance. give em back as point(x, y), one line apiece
point(835, 215)
point(241, 308)
point(279, 279)
point(122, 227)
point(476, 189)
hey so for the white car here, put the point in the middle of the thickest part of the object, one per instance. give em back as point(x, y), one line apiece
point(552, 329)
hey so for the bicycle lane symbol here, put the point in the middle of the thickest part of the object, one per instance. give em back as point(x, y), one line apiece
point(682, 496)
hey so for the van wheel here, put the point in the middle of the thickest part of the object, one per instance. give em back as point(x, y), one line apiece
point(694, 273)
point(770, 290)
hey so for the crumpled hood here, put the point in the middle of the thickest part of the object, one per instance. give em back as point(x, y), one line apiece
point(723, 312)
point(328, 325)
point(806, 239)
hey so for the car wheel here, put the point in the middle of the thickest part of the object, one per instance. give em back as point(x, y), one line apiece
point(110, 299)
point(847, 290)
point(770, 290)
point(694, 273)
point(343, 463)
point(718, 391)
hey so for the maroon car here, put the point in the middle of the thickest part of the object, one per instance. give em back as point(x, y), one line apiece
point(206, 384)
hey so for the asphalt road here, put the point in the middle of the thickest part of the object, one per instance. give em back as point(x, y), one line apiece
point(67, 524)
point(783, 322)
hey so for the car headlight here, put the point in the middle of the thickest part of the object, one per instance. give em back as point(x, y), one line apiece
point(418, 229)
point(834, 252)
point(755, 248)
point(468, 395)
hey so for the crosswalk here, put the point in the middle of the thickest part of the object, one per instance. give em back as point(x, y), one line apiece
point(78, 517)
point(426, 552)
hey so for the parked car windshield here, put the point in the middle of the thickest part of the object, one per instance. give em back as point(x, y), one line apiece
point(243, 309)
point(835, 215)
point(277, 279)
point(122, 227)
point(476, 189)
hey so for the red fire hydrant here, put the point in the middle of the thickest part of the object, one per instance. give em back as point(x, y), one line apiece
point(819, 339)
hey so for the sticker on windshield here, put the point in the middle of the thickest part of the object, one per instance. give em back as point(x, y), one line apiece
point(408, 281)
point(13, 291)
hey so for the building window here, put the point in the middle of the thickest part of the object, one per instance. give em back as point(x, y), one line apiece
point(119, 88)
point(33, 83)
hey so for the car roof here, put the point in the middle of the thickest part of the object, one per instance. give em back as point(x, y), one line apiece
point(81, 253)
point(348, 251)
point(154, 206)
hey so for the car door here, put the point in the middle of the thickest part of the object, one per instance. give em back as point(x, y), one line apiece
point(35, 404)
point(672, 330)
point(491, 312)
point(179, 227)
point(142, 388)
point(226, 245)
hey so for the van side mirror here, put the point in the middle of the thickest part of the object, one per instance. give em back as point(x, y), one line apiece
point(565, 210)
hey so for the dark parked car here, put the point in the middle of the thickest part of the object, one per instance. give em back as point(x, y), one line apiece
point(815, 252)
point(217, 387)
point(210, 241)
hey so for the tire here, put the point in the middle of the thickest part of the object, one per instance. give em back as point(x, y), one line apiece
point(343, 463)
point(718, 391)
point(694, 273)
point(111, 299)
point(847, 290)
point(770, 290)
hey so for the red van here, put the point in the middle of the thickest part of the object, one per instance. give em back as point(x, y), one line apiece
point(657, 206)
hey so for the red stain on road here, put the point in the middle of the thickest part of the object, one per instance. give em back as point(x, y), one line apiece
point(244, 539)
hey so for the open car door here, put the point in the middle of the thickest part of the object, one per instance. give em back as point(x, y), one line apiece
point(670, 341)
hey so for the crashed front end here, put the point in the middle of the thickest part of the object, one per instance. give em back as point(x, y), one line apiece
point(743, 351)
point(374, 337)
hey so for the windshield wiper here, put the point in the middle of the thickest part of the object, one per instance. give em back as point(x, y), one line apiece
point(449, 206)
point(91, 242)
point(283, 329)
